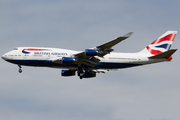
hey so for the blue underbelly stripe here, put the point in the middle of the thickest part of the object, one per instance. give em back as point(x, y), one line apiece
point(49, 63)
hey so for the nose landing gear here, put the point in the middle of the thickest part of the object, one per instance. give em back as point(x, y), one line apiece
point(20, 70)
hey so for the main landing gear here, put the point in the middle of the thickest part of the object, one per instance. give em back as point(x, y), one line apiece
point(20, 70)
point(80, 72)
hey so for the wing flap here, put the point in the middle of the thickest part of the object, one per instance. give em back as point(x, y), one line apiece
point(92, 61)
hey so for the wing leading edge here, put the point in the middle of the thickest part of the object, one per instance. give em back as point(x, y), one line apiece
point(110, 44)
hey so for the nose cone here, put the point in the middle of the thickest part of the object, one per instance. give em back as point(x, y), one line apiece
point(4, 57)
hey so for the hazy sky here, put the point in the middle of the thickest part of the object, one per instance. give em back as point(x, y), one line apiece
point(149, 92)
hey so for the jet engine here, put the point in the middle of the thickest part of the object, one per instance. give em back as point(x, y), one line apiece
point(65, 60)
point(68, 73)
point(91, 52)
point(68, 60)
point(89, 74)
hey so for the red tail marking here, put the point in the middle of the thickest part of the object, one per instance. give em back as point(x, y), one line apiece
point(154, 52)
point(165, 38)
point(170, 58)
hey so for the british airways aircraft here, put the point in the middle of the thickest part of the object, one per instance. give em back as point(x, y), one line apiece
point(93, 60)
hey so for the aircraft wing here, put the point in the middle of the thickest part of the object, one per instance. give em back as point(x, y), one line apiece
point(110, 44)
point(90, 61)
point(89, 58)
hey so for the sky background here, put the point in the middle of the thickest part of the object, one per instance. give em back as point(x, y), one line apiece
point(150, 92)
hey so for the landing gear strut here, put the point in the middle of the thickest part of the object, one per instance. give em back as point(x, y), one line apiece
point(81, 76)
point(20, 70)
point(80, 72)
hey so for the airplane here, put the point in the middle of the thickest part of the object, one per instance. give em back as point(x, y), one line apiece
point(94, 60)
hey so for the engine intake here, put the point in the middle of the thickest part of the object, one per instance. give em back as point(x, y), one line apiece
point(91, 52)
point(67, 73)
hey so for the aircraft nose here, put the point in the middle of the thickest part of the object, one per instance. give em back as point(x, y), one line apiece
point(4, 56)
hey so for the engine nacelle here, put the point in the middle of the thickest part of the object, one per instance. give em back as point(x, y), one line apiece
point(68, 60)
point(67, 73)
point(91, 52)
point(89, 74)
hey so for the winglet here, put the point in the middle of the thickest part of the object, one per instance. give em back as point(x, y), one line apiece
point(128, 34)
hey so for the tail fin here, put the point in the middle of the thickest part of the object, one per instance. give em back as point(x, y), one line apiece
point(160, 45)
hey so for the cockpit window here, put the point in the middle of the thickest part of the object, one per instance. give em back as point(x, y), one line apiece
point(15, 48)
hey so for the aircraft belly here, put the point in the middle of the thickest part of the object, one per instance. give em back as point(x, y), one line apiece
point(49, 63)
point(108, 65)
point(40, 63)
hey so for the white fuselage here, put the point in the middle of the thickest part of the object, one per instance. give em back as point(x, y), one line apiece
point(44, 57)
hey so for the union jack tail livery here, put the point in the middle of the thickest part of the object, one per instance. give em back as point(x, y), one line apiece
point(161, 45)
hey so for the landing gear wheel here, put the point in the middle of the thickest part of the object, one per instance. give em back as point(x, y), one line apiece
point(80, 72)
point(81, 75)
point(20, 70)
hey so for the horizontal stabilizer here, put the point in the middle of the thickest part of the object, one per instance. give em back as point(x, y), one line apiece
point(166, 54)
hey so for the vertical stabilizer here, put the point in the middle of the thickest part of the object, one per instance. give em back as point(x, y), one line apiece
point(160, 45)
